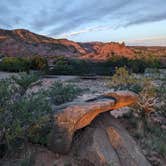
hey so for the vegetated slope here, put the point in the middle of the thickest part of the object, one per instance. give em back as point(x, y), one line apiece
point(158, 51)
point(22, 42)
point(155, 50)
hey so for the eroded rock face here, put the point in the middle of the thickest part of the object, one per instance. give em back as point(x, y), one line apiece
point(70, 118)
point(106, 142)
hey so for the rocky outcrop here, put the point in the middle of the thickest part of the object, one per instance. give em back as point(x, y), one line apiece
point(106, 142)
point(103, 51)
point(70, 118)
point(103, 142)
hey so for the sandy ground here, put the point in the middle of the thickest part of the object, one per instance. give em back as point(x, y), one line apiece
point(4, 75)
point(91, 87)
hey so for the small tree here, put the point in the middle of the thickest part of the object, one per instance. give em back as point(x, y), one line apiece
point(39, 63)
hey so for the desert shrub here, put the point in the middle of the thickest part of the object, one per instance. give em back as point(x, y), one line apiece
point(147, 94)
point(68, 66)
point(146, 104)
point(39, 63)
point(6, 92)
point(27, 116)
point(124, 80)
point(62, 66)
point(61, 93)
point(19, 64)
point(15, 64)
point(151, 100)
point(161, 93)
point(39, 134)
point(21, 115)
point(155, 140)
point(27, 112)
point(25, 81)
point(121, 78)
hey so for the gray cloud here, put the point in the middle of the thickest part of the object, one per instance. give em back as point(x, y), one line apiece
point(55, 17)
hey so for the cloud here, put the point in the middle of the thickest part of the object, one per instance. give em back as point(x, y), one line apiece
point(90, 29)
point(148, 41)
point(86, 14)
point(70, 18)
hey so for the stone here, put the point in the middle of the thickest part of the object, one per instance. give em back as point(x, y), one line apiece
point(106, 142)
point(71, 117)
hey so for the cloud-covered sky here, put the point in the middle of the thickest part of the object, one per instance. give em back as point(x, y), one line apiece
point(134, 21)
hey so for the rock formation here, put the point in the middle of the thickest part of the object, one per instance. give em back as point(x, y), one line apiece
point(106, 142)
point(103, 51)
point(70, 118)
point(22, 42)
point(88, 140)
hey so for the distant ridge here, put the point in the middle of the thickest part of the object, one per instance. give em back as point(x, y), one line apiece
point(21, 42)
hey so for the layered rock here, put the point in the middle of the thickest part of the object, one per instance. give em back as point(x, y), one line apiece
point(103, 51)
point(106, 142)
point(70, 118)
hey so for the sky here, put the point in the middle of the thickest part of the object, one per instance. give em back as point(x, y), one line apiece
point(136, 22)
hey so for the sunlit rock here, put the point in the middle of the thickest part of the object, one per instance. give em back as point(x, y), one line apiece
point(74, 116)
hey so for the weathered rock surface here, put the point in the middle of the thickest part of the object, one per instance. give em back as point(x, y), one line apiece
point(106, 142)
point(70, 118)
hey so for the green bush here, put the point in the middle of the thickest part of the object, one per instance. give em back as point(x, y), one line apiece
point(15, 64)
point(19, 64)
point(61, 93)
point(25, 81)
point(39, 63)
point(20, 116)
point(20, 113)
point(71, 66)
point(68, 66)
point(62, 66)
point(123, 80)
point(27, 116)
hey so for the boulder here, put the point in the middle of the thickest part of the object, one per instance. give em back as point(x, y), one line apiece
point(106, 142)
point(71, 117)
